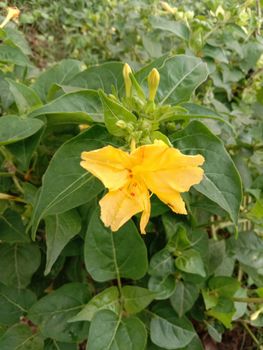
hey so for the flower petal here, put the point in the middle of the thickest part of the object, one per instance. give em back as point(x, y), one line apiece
point(111, 165)
point(117, 207)
point(174, 200)
point(164, 168)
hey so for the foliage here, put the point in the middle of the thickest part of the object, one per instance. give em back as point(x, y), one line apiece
point(66, 279)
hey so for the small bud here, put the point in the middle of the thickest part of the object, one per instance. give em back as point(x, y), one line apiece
point(121, 124)
point(83, 126)
point(12, 13)
point(220, 12)
point(256, 314)
point(153, 83)
point(166, 7)
point(127, 80)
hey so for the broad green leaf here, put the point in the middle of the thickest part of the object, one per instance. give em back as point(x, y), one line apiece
point(221, 182)
point(215, 52)
point(104, 76)
point(14, 303)
point(224, 286)
point(162, 286)
point(180, 76)
point(215, 256)
point(12, 229)
point(109, 299)
point(114, 112)
point(23, 150)
point(52, 344)
point(65, 184)
point(13, 129)
point(61, 73)
point(184, 297)
point(109, 331)
point(214, 334)
point(25, 97)
point(72, 108)
point(108, 255)
point(18, 39)
point(169, 331)
point(177, 28)
point(60, 228)
point(248, 249)
point(136, 298)
point(162, 263)
point(52, 312)
point(20, 337)
point(190, 261)
point(13, 55)
point(21, 262)
point(223, 311)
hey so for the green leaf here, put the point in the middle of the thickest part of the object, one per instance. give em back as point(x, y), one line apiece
point(248, 249)
point(108, 255)
point(12, 229)
point(20, 337)
point(72, 108)
point(106, 300)
point(21, 262)
point(25, 97)
point(224, 286)
point(13, 129)
point(184, 297)
point(221, 182)
point(114, 112)
point(13, 55)
point(180, 76)
point(18, 39)
point(110, 332)
point(214, 334)
point(52, 312)
point(14, 303)
point(52, 344)
point(162, 286)
point(162, 263)
point(104, 76)
point(60, 228)
point(190, 261)
point(61, 73)
point(215, 256)
point(177, 28)
point(136, 298)
point(65, 184)
point(169, 331)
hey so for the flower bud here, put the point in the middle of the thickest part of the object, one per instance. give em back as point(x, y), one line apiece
point(121, 124)
point(166, 7)
point(127, 80)
point(256, 314)
point(12, 13)
point(220, 12)
point(153, 83)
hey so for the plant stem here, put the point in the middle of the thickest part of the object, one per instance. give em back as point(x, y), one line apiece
point(250, 333)
point(248, 300)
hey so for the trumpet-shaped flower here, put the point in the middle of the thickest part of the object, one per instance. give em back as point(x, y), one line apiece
point(132, 177)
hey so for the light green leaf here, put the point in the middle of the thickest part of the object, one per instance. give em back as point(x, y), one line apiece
point(20, 337)
point(114, 112)
point(104, 76)
point(106, 300)
point(190, 261)
point(13, 129)
point(60, 228)
point(25, 97)
point(61, 73)
point(221, 182)
point(110, 332)
point(108, 255)
point(21, 261)
point(72, 108)
point(52, 312)
point(177, 28)
point(65, 184)
point(13, 55)
point(136, 298)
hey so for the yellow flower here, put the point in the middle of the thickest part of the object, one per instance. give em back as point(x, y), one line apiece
point(131, 177)
point(12, 14)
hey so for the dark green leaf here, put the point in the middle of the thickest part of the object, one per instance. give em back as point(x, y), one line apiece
point(190, 261)
point(13, 55)
point(177, 28)
point(162, 286)
point(108, 255)
point(136, 298)
point(184, 297)
point(221, 182)
point(20, 337)
point(12, 229)
point(51, 313)
point(110, 332)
